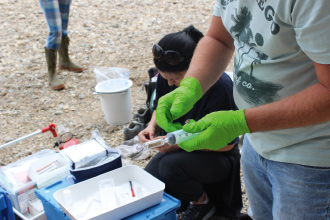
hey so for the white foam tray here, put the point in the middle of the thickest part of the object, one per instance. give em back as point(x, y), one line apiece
point(87, 192)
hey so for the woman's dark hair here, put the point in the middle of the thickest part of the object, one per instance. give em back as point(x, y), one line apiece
point(183, 42)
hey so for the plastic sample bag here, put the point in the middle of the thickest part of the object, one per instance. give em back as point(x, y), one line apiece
point(105, 73)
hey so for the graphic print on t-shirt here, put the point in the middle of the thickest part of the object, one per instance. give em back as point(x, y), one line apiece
point(253, 90)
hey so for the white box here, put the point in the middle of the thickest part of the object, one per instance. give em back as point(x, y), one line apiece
point(84, 154)
point(86, 198)
point(48, 170)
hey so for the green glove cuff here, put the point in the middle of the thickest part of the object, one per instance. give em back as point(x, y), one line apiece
point(194, 84)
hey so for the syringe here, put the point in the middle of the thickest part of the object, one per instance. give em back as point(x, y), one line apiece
point(172, 138)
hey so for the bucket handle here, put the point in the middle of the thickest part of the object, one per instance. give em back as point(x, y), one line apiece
point(93, 90)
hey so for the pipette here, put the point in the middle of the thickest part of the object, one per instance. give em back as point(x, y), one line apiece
point(172, 138)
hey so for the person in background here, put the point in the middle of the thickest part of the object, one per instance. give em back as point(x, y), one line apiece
point(282, 88)
point(204, 181)
point(57, 16)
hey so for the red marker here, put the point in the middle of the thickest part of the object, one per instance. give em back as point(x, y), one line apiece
point(132, 190)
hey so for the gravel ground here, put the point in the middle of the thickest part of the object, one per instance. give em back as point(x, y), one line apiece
point(109, 33)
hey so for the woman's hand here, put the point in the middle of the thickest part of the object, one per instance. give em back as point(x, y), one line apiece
point(147, 134)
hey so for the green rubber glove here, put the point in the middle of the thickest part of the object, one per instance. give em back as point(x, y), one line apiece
point(218, 129)
point(178, 103)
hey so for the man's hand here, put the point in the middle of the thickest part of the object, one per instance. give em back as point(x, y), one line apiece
point(218, 129)
point(177, 103)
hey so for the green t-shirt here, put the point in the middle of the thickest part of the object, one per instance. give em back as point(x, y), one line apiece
point(276, 43)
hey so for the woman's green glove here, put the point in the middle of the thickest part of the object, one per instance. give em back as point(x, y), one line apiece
point(177, 103)
point(218, 129)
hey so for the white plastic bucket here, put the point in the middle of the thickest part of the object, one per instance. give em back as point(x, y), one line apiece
point(115, 95)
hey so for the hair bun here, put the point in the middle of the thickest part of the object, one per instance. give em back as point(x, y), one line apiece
point(189, 29)
point(195, 34)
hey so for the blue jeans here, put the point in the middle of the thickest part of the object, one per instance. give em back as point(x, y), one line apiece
point(285, 191)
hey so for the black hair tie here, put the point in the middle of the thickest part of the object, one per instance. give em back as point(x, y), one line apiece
point(195, 34)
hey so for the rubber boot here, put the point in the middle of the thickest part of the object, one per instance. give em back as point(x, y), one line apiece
point(64, 61)
point(51, 57)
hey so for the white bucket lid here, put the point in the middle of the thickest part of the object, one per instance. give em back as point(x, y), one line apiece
point(113, 86)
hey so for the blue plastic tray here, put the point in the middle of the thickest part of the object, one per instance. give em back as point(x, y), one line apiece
point(166, 210)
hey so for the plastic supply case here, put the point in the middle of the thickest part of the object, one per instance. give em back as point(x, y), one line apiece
point(166, 210)
point(26, 215)
point(14, 179)
point(19, 179)
point(7, 212)
point(151, 193)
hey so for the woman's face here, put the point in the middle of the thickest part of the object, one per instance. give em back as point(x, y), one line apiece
point(173, 78)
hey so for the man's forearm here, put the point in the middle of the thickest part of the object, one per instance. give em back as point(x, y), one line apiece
point(308, 107)
point(206, 66)
point(212, 55)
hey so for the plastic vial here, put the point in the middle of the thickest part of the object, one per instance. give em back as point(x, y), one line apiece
point(172, 138)
point(107, 194)
point(155, 143)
